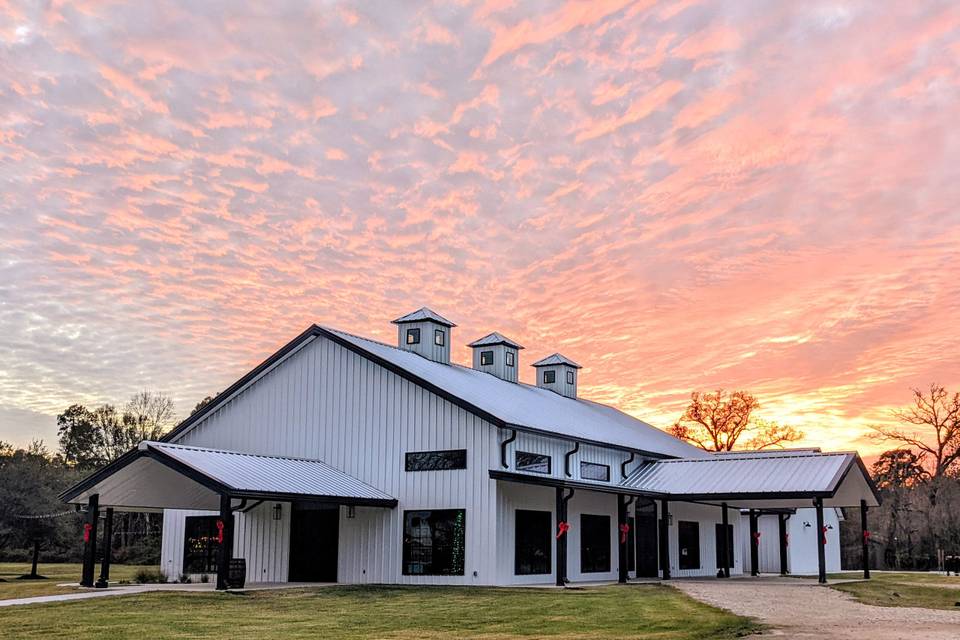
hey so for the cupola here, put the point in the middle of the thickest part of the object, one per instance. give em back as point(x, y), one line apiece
point(496, 354)
point(559, 374)
point(426, 333)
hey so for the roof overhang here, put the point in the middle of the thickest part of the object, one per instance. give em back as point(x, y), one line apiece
point(158, 476)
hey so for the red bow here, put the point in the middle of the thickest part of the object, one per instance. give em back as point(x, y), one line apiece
point(825, 535)
point(624, 530)
point(219, 531)
point(786, 539)
point(86, 531)
point(562, 528)
point(866, 536)
point(756, 537)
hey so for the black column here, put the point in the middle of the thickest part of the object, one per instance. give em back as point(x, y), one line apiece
point(226, 545)
point(754, 544)
point(104, 579)
point(561, 539)
point(90, 540)
point(665, 538)
point(782, 527)
point(725, 541)
point(865, 534)
point(622, 520)
point(821, 552)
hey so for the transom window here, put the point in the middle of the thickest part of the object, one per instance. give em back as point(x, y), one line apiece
point(436, 460)
point(511, 359)
point(486, 357)
point(569, 377)
point(438, 337)
point(433, 542)
point(533, 540)
point(200, 544)
point(594, 471)
point(535, 462)
point(413, 336)
point(549, 376)
point(594, 543)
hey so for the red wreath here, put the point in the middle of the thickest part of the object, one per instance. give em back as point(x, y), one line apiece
point(825, 535)
point(87, 527)
point(219, 531)
point(866, 536)
point(786, 539)
point(562, 528)
point(624, 530)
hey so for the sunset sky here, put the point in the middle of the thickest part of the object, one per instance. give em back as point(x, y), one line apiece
point(678, 195)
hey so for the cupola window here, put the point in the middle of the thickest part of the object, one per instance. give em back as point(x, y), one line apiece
point(413, 336)
point(549, 377)
point(486, 357)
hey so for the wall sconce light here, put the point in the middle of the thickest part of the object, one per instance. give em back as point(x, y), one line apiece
point(806, 525)
point(829, 526)
point(669, 519)
point(278, 511)
point(351, 511)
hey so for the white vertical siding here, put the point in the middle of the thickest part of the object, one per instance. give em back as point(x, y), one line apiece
point(264, 542)
point(708, 517)
point(557, 450)
point(329, 403)
point(499, 367)
point(802, 550)
point(171, 544)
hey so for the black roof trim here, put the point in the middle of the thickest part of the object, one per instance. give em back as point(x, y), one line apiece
point(546, 481)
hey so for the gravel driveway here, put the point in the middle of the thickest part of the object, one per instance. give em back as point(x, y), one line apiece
point(799, 608)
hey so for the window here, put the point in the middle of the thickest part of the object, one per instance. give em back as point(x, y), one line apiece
point(719, 534)
point(486, 357)
point(511, 359)
point(413, 336)
point(594, 543)
point(433, 542)
point(549, 376)
point(535, 462)
point(200, 544)
point(594, 471)
point(569, 377)
point(688, 540)
point(436, 460)
point(438, 337)
point(533, 540)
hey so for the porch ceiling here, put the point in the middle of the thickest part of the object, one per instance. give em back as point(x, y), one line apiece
point(167, 476)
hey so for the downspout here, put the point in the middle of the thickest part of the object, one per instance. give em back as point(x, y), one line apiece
point(566, 459)
point(623, 465)
point(503, 448)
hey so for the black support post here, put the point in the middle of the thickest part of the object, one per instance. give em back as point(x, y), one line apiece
point(821, 541)
point(725, 541)
point(665, 538)
point(562, 527)
point(782, 528)
point(104, 578)
point(90, 540)
point(622, 538)
point(754, 544)
point(865, 534)
point(226, 545)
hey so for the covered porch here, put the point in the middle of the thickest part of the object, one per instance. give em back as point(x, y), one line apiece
point(158, 476)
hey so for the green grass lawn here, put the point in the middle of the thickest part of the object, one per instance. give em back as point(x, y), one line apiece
point(11, 587)
point(350, 613)
point(930, 591)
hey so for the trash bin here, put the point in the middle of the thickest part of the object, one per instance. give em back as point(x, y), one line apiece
point(237, 573)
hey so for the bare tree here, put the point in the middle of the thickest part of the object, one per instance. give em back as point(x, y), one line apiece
point(934, 431)
point(718, 421)
point(148, 415)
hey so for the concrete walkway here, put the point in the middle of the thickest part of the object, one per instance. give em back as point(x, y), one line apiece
point(800, 608)
point(126, 590)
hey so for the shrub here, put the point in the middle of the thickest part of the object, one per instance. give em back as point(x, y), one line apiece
point(149, 576)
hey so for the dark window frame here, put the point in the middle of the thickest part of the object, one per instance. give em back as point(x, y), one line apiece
point(416, 552)
point(570, 378)
point(584, 464)
point(685, 561)
point(439, 337)
point(549, 376)
point(537, 541)
point(206, 553)
point(595, 556)
point(486, 358)
point(443, 460)
point(528, 466)
point(510, 359)
point(413, 336)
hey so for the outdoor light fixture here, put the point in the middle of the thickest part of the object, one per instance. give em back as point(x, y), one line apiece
point(806, 525)
point(351, 511)
point(277, 511)
point(669, 519)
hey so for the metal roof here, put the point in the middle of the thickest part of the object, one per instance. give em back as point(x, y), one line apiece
point(753, 475)
point(422, 314)
point(494, 338)
point(525, 406)
point(556, 358)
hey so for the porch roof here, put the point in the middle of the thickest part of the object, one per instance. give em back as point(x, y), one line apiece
point(159, 475)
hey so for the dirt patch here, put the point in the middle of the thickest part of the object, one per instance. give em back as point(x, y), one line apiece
point(803, 609)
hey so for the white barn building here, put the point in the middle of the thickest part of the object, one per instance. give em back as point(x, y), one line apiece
point(343, 459)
